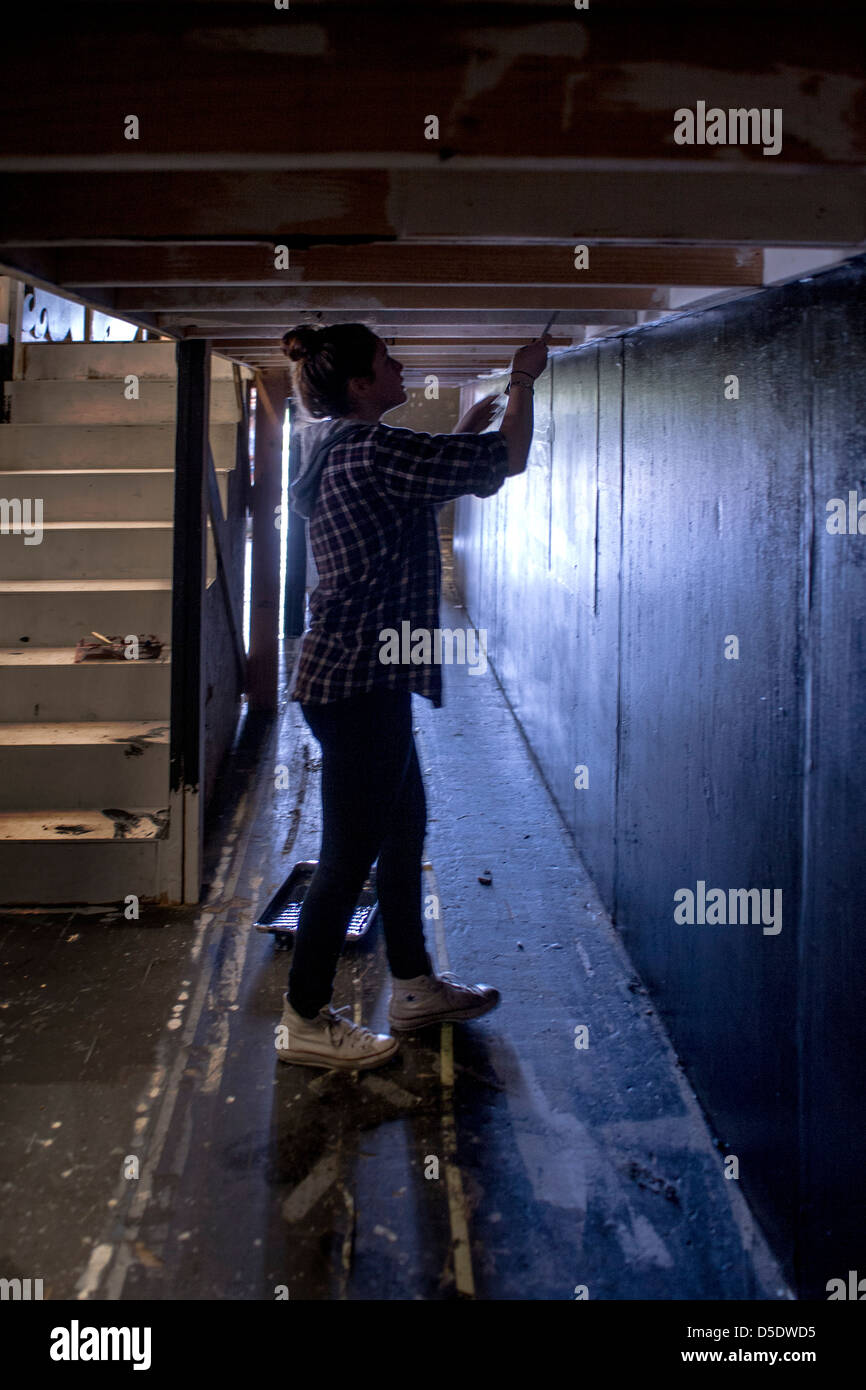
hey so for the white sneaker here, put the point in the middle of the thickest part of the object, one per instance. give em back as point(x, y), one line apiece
point(437, 999)
point(329, 1040)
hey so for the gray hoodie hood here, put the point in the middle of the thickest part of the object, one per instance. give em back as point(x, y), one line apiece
point(314, 444)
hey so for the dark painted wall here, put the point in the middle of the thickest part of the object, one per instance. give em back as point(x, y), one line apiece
point(656, 520)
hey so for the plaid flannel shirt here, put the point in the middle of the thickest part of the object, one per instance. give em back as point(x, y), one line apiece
point(375, 541)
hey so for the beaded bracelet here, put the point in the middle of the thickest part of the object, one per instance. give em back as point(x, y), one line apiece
point(527, 385)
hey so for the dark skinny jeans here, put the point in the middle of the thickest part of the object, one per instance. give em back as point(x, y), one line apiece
point(373, 804)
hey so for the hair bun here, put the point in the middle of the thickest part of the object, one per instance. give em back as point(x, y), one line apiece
point(324, 361)
point(302, 342)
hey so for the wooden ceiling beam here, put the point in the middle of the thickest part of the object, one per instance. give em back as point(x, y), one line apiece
point(400, 264)
point(274, 306)
point(437, 321)
point(752, 207)
point(401, 345)
point(270, 335)
point(535, 80)
point(257, 307)
point(418, 357)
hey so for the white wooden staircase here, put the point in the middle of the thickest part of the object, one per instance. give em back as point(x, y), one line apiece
point(84, 747)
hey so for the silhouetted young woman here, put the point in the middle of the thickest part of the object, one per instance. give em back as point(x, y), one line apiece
point(371, 493)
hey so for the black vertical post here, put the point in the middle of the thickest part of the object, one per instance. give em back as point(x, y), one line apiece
point(186, 747)
point(296, 548)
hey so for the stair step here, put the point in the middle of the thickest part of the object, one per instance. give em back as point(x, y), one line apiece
point(104, 402)
point(94, 361)
point(90, 550)
point(133, 445)
point(74, 824)
point(94, 764)
point(46, 684)
point(89, 361)
point(100, 494)
point(78, 868)
point(56, 612)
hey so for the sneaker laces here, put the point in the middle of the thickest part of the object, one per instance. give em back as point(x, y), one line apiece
point(448, 977)
point(337, 1023)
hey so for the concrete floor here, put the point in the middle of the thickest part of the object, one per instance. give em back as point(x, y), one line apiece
point(153, 1040)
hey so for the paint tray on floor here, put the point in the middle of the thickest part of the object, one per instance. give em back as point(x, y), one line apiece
point(280, 917)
